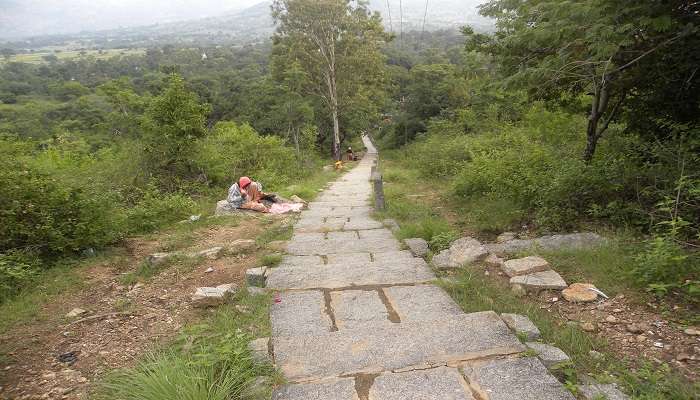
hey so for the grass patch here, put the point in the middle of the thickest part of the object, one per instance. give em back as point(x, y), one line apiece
point(270, 260)
point(209, 360)
point(146, 271)
point(475, 292)
point(275, 233)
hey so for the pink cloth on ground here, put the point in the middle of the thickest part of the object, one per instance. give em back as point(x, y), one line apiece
point(284, 208)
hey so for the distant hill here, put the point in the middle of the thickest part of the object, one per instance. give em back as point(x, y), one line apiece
point(255, 24)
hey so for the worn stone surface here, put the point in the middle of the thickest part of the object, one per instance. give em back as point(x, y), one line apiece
point(506, 236)
point(524, 266)
point(335, 276)
point(297, 261)
point(159, 258)
point(515, 378)
point(358, 308)
point(521, 325)
point(358, 223)
point(601, 392)
point(422, 303)
point(552, 242)
point(579, 293)
point(433, 384)
point(300, 313)
point(361, 259)
point(256, 276)
point(321, 246)
point(545, 280)
point(260, 350)
point(461, 252)
point(494, 261)
point(213, 296)
point(396, 256)
point(417, 246)
point(549, 355)
point(333, 389)
point(394, 346)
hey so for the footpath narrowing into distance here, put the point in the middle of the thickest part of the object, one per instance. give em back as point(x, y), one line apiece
point(358, 318)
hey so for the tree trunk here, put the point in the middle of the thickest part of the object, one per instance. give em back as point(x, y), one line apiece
point(601, 98)
point(333, 95)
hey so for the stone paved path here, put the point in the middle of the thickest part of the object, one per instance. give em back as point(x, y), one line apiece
point(357, 318)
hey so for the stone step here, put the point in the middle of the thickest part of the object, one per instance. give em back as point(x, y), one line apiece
point(393, 347)
point(342, 242)
point(343, 275)
point(545, 280)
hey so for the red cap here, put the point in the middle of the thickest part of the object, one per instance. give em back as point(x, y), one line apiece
point(244, 182)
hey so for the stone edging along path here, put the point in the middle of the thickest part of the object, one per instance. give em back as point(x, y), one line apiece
point(357, 318)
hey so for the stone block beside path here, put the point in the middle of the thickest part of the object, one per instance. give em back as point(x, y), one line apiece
point(521, 325)
point(549, 355)
point(462, 252)
point(545, 280)
point(256, 276)
point(419, 247)
point(524, 266)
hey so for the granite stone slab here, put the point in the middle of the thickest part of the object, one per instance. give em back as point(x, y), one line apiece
point(332, 389)
point(394, 347)
point(358, 308)
point(515, 379)
point(422, 303)
point(433, 384)
point(300, 313)
point(545, 280)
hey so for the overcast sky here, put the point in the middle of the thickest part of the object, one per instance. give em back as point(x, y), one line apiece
point(35, 17)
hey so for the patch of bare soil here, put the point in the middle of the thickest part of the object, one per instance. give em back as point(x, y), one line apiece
point(58, 358)
point(632, 330)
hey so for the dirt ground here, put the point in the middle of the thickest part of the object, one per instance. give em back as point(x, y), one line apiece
point(635, 331)
point(148, 314)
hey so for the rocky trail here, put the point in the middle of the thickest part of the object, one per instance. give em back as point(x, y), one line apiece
point(356, 317)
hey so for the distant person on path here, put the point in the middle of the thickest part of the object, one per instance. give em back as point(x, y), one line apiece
point(247, 194)
point(351, 154)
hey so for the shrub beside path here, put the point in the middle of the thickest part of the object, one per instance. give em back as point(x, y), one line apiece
point(356, 317)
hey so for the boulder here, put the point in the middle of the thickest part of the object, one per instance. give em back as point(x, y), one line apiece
point(524, 266)
point(241, 245)
point(521, 325)
point(463, 251)
point(552, 242)
point(418, 246)
point(494, 261)
point(76, 312)
point(579, 293)
point(549, 355)
point(213, 296)
point(545, 280)
point(297, 199)
point(505, 237)
point(256, 276)
point(597, 391)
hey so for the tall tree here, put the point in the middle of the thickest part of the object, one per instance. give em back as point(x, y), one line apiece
point(594, 47)
point(336, 42)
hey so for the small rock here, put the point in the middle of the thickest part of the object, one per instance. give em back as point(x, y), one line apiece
point(76, 312)
point(242, 245)
point(49, 376)
point(156, 259)
point(297, 199)
point(487, 273)
point(260, 351)
point(579, 293)
point(596, 354)
point(611, 319)
point(418, 246)
point(521, 324)
point(256, 276)
point(546, 280)
point(391, 224)
point(209, 270)
point(589, 327)
point(211, 297)
point(462, 252)
point(683, 357)
point(597, 391)
point(505, 237)
point(617, 310)
point(524, 266)
point(634, 328)
point(518, 290)
point(641, 339)
point(549, 355)
point(212, 254)
point(256, 291)
point(494, 261)
point(659, 345)
point(692, 332)
point(555, 299)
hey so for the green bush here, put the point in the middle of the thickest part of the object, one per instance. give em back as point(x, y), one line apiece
point(15, 273)
point(235, 150)
point(156, 209)
point(665, 265)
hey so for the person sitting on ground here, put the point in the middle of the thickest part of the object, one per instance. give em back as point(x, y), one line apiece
point(247, 195)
